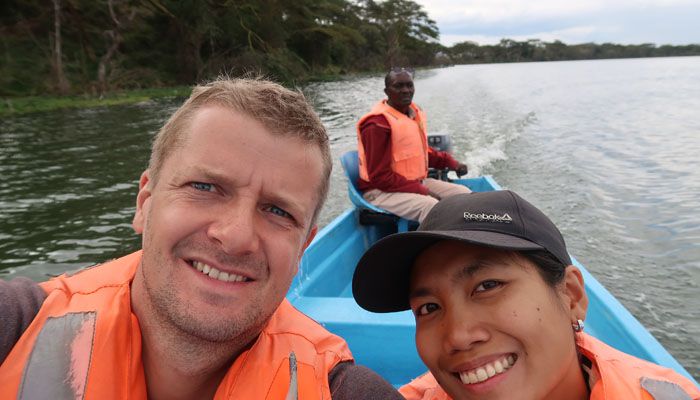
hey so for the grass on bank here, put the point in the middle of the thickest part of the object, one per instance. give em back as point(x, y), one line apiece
point(24, 105)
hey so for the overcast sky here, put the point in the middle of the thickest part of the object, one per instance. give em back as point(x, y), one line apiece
point(617, 21)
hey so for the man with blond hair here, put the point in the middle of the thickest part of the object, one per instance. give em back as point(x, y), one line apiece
point(200, 312)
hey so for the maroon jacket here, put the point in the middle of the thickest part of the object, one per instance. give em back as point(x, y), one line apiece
point(376, 137)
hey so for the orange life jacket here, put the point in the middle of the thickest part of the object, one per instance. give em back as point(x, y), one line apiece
point(86, 343)
point(409, 142)
point(425, 387)
point(620, 376)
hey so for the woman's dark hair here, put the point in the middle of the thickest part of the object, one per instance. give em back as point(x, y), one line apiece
point(551, 269)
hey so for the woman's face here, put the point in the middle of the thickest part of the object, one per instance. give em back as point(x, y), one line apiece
point(488, 327)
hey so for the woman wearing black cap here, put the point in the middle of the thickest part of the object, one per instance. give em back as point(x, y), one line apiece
point(499, 309)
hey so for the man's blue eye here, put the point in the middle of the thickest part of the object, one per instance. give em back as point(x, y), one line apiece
point(278, 211)
point(204, 187)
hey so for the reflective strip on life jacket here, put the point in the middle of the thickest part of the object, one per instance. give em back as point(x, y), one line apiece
point(663, 390)
point(58, 365)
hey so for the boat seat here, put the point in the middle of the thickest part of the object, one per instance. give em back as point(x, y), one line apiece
point(369, 213)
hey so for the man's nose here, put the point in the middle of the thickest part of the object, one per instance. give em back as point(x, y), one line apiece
point(234, 229)
point(461, 332)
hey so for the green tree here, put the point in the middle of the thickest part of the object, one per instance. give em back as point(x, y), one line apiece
point(410, 35)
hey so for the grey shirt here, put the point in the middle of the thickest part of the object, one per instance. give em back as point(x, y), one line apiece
point(21, 298)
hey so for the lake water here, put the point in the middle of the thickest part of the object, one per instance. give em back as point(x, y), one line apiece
point(609, 149)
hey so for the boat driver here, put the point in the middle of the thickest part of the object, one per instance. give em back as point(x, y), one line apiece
point(394, 155)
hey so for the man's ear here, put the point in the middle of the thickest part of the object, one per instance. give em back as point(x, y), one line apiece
point(142, 203)
point(307, 242)
point(575, 293)
point(309, 238)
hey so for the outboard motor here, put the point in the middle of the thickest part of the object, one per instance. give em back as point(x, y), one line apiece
point(439, 142)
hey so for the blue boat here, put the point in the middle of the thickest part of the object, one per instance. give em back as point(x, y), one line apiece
point(385, 342)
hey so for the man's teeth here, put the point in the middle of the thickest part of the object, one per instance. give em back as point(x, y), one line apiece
point(216, 274)
point(487, 371)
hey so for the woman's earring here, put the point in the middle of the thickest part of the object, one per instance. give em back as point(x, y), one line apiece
point(577, 326)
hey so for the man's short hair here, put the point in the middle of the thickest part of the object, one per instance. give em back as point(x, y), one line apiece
point(395, 71)
point(282, 111)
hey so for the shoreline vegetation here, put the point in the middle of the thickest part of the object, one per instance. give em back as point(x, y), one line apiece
point(82, 53)
point(31, 104)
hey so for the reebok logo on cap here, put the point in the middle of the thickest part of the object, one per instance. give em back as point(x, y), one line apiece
point(482, 217)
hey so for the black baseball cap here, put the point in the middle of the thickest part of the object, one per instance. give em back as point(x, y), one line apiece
point(499, 219)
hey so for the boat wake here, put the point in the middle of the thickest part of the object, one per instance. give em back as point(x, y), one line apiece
point(488, 141)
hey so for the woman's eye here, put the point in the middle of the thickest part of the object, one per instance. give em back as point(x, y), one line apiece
point(426, 309)
point(204, 187)
point(488, 285)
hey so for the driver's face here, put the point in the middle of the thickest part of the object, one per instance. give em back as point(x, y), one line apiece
point(400, 89)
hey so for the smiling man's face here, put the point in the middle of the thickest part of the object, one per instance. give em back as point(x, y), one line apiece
point(225, 224)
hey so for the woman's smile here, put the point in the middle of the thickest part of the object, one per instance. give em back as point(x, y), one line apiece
point(488, 326)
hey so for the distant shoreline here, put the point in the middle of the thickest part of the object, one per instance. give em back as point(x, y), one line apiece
point(100, 54)
point(14, 106)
